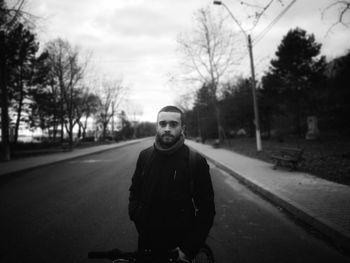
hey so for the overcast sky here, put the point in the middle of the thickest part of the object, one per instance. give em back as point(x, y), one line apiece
point(136, 39)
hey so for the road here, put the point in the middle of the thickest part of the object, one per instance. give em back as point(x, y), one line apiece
point(60, 212)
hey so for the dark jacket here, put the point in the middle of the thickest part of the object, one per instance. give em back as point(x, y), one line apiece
point(167, 211)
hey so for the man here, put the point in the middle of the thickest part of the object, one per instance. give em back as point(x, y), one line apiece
point(171, 198)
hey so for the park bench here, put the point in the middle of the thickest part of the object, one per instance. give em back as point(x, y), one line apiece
point(288, 157)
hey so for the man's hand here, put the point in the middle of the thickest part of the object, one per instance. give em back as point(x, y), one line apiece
point(181, 256)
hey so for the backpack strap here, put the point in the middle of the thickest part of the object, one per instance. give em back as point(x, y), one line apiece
point(193, 157)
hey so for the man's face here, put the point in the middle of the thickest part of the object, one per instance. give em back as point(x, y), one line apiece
point(169, 127)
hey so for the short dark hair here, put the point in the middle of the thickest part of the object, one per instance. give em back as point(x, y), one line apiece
point(173, 109)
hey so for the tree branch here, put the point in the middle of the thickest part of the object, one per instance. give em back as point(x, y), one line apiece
point(343, 9)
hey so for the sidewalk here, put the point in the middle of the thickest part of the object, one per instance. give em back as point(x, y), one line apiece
point(8, 169)
point(320, 203)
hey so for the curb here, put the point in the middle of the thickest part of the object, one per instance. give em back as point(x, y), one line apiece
point(336, 234)
point(6, 177)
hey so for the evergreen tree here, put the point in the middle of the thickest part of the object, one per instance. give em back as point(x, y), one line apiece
point(337, 106)
point(237, 106)
point(22, 69)
point(295, 75)
point(204, 113)
point(11, 55)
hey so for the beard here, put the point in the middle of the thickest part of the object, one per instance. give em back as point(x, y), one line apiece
point(167, 140)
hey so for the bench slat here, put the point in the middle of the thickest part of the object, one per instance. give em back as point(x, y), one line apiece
point(288, 155)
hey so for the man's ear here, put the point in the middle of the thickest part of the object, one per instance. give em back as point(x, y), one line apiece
point(183, 129)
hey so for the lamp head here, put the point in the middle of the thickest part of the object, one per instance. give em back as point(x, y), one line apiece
point(217, 3)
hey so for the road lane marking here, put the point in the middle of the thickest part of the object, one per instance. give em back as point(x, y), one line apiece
point(91, 161)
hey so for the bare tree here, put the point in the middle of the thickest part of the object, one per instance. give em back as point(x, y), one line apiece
point(132, 109)
point(183, 101)
point(342, 9)
point(79, 102)
point(89, 107)
point(257, 9)
point(45, 96)
point(68, 71)
point(338, 9)
point(210, 52)
point(112, 93)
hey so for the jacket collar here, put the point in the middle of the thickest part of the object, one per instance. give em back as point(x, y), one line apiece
point(168, 151)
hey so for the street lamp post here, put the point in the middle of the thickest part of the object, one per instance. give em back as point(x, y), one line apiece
point(255, 100)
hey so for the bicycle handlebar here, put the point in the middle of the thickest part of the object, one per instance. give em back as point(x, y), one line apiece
point(118, 254)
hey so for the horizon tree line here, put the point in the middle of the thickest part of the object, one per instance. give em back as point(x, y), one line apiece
point(49, 89)
point(298, 83)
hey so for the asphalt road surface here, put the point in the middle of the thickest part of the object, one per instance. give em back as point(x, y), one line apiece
point(60, 212)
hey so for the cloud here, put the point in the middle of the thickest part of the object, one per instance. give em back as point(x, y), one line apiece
point(138, 21)
point(137, 38)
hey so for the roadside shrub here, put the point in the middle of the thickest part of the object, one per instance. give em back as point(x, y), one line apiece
point(88, 139)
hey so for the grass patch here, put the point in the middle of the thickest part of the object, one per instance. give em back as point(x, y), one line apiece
point(328, 159)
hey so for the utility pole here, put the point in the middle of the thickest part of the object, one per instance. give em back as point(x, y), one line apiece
point(255, 100)
point(253, 82)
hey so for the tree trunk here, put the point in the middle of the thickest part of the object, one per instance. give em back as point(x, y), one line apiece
point(62, 129)
point(56, 118)
point(221, 133)
point(19, 111)
point(104, 133)
point(79, 131)
point(70, 132)
point(5, 138)
point(62, 115)
point(85, 127)
point(54, 124)
point(62, 121)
